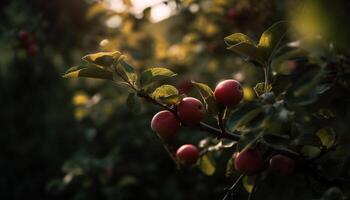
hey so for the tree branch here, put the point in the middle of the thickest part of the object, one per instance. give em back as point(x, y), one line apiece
point(207, 128)
point(219, 133)
point(201, 126)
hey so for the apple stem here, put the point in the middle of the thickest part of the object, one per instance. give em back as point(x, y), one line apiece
point(221, 123)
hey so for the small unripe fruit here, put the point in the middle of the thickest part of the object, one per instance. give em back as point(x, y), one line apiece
point(282, 165)
point(165, 124)
point(187, 154)
point(190, 111)
point(249, 162)
point(32, 50)
point(228, 92)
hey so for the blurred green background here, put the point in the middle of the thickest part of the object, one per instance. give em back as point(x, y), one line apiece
point(76, 139)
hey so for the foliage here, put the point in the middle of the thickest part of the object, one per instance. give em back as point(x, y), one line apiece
point(295, 103)
point(268, 123)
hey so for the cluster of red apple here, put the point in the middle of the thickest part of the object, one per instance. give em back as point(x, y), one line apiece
point(190, 111)
point(27, 40)
point(249, 162)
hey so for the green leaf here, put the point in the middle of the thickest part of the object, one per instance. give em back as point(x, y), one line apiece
point(307, 139)
point(281, 83)
point(276, 139)
point(327, 136)
point(272, 38)
point(238, 38)
point(167, 94)
point(230, 167)
point(243, 118)
point(310, 151)
point(207, 165)
point(260, 88)
point(104, 59)
point(333, 193)
point(88, 72)
point(280, 64)
point(171, 100)
point(128, 71)
point(155, 74)
point(304, 90)
point(133, 103)
point(325, 113)
point(248, 51)
point(247, 140)
point(248, 183)
point(208, 97)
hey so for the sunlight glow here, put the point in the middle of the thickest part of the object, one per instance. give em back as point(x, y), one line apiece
point(114, 21)
point(116, 5)
point(159, 11)
point(104, 42)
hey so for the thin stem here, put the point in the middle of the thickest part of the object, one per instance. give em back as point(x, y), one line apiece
point(207, 128)
point(168, 148)
point(233, 186)
point(283, 151)
point(221, 122)
point(266, 75)
point(126, 81)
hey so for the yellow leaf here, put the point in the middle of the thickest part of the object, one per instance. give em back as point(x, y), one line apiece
point(207, 165)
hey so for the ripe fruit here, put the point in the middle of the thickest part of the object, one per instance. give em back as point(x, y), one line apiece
point(228, 92)
point(23, 35)
point(282, 165)
point(190, 110)
point(32, 50)
point(187, 154)
point(108, 171)
point(292, 65)
point(248, 162)
point(232, 16)
point(165, 124)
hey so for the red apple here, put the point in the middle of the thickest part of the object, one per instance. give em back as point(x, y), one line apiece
point(228, 92)
point(32, 50)
point(249, 162)
point(165, 124)
point(291, 65)
point(23, 35)
point(190, 111)
point(232, 16)
point(282, 165)
point(187, 154)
